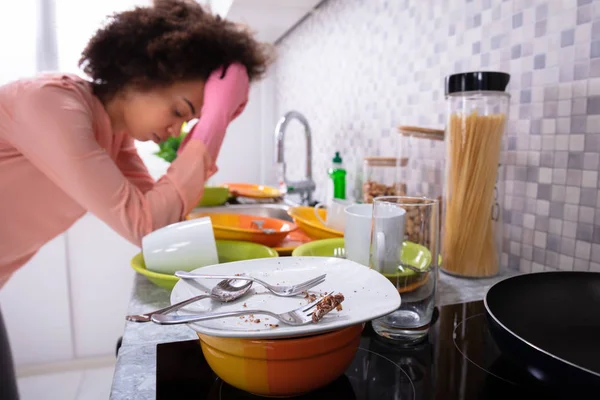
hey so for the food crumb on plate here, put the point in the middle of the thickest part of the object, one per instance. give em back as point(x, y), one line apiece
point(328, 303)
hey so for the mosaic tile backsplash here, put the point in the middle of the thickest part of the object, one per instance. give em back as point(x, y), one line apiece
point(359, 68)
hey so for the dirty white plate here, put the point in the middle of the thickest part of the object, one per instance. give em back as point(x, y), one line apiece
point(367, 293)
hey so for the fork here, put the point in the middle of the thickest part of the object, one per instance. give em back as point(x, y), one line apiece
point(278, 290)
point(299, 316)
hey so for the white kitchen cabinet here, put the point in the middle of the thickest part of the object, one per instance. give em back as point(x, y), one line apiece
point(101, 284)
point(270, 19)
point(69, 302)
point(36, 308)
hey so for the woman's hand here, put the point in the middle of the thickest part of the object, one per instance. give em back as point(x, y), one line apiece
point(225, 93)
point(225, 97)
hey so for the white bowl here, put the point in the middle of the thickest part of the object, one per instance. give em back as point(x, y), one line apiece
point(183, 246)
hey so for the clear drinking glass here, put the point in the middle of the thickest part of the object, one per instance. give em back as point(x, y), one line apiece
point(411, 265)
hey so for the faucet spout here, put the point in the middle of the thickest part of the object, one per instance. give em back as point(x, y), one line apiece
point(306, 186)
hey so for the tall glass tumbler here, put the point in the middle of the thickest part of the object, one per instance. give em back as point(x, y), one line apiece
point(410, 264)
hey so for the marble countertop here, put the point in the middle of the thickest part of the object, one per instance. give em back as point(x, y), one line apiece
point(135, 371)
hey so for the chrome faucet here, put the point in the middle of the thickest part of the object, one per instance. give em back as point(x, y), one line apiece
point(305, 187)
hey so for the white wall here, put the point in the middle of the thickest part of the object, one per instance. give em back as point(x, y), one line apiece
point(268, 121)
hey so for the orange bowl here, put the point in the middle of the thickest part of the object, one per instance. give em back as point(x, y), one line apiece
point(282, 367)
point(308, 222)
point(246, 227)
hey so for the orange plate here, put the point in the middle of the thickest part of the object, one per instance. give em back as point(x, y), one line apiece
point(253, 191)
point(243, 227)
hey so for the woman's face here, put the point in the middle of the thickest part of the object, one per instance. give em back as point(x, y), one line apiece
point(157, 114)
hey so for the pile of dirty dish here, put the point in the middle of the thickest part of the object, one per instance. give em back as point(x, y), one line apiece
point(238, 193)
point(269, 326)
point(242, 214)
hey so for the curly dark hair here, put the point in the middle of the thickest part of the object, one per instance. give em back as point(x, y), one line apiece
point(173, 40)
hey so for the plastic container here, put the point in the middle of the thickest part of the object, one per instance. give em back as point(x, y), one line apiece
point(380, 177)
point(423, 173)
point(477, 112)
point(337, 174)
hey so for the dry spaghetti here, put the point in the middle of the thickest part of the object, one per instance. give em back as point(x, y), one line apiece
point(475, 141)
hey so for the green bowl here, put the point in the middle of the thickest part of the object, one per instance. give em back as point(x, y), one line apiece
point(413, 254)
point(214, 196)
point(227, 250)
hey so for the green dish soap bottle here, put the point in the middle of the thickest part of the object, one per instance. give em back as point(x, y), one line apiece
point(337, 173)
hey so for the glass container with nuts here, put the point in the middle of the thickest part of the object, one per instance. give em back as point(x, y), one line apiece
point(380, 177)
point(423, 172)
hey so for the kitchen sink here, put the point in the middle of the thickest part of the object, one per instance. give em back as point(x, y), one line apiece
point(278, 211)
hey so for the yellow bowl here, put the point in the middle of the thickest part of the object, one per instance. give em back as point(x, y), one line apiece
point(308, 222)
point(243, 227)
point(282, 367)
point(227, 251)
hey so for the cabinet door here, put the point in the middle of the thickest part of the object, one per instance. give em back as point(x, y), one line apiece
point(101, 285)
point(35, 306)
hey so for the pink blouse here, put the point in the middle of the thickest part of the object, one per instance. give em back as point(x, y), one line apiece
point(59, 158)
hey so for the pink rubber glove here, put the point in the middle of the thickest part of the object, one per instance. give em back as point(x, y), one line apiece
point(225, 97)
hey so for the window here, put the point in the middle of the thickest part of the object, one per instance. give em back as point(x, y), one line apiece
point(17, 39)
point(76, 23)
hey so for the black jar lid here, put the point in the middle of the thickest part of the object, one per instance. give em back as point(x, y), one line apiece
point(477, 81)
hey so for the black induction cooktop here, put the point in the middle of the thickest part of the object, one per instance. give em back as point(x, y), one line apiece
point(459, 360)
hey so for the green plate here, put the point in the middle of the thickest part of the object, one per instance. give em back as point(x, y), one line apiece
point(412, 254)
point(214, 196)
point(227, 250)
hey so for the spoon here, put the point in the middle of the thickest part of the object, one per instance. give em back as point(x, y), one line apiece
point(259, 224)
point(227, 290)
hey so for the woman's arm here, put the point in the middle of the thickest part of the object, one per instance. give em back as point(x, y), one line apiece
point(132, 166)
point(55, 132)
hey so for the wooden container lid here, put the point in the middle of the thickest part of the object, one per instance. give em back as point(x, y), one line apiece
point(385, 161)
point(417, 131)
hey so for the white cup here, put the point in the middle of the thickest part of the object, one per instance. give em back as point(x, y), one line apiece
point(183, 246)
point(336, 216)
point(357, 235)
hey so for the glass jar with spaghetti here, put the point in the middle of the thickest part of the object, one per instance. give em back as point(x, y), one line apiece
point(477, 113)
point(380, 178)
point(423, 173)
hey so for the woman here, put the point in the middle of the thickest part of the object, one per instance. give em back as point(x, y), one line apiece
point(67, 145)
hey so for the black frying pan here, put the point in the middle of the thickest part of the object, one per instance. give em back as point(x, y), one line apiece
point(549, 323)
